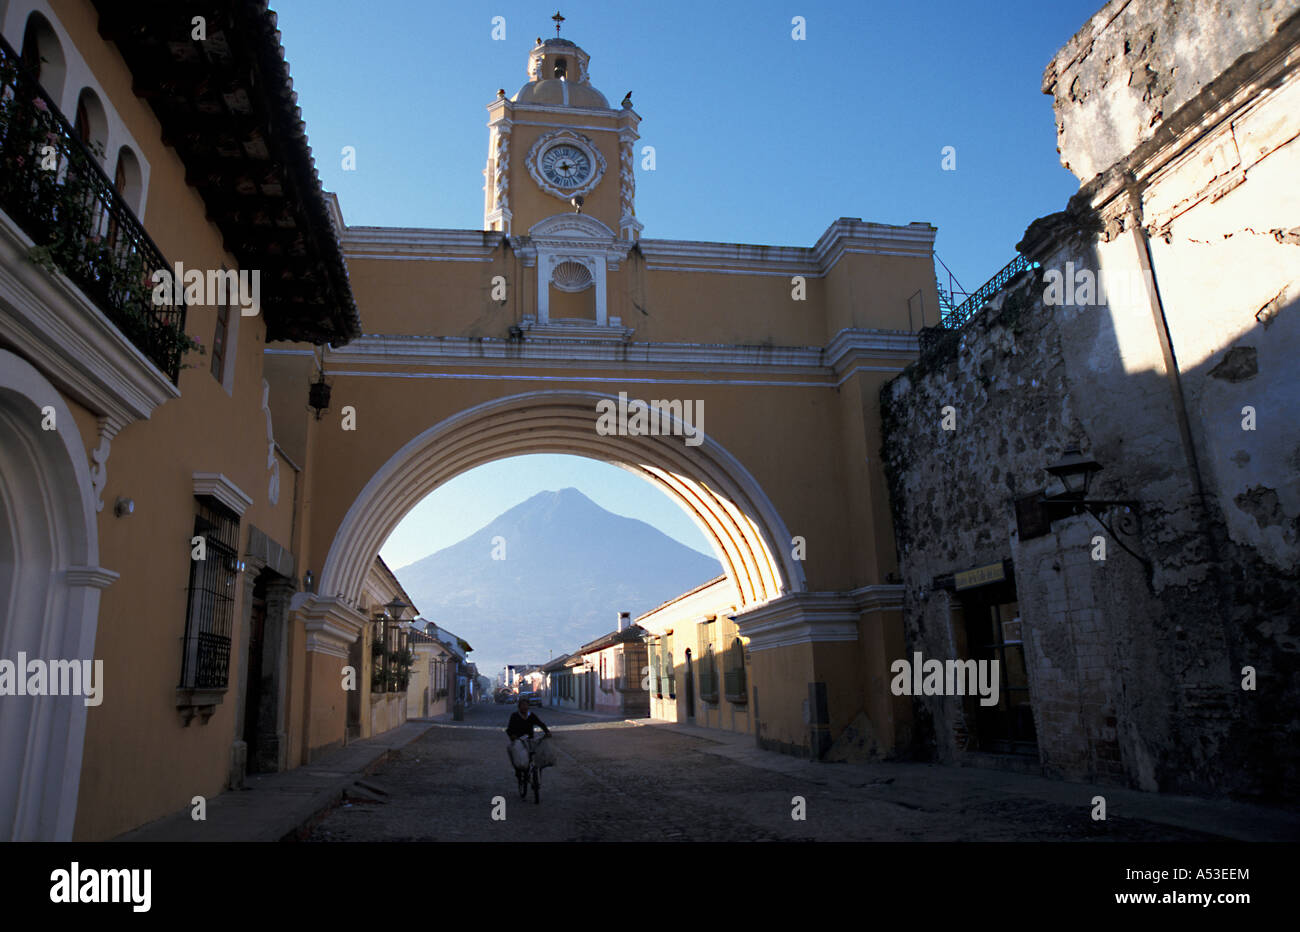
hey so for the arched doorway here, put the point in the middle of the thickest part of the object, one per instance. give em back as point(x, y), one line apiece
point(50, 581)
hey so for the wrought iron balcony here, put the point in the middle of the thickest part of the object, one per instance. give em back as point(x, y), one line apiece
point(56, 191)
point(962, 314)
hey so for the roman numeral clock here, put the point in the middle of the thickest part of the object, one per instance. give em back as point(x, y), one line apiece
point(565, 163)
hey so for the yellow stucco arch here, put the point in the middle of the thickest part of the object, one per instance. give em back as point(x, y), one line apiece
point(711, 485)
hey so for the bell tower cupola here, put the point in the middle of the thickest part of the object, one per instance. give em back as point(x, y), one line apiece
point(560, 184)
point(557, 146)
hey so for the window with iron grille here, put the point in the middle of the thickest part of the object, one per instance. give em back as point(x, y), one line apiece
point(205, 661)
point(708, 663)
point(670, 671)
point(219, 342)
point(735, 673)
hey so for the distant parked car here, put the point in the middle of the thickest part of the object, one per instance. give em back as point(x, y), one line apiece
point(534, 698)
point(505, 695)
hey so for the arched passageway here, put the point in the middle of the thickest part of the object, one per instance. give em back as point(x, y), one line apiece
point(718, 493)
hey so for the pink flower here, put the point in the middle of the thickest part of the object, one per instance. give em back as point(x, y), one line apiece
point(19, 160)
point(40, 104)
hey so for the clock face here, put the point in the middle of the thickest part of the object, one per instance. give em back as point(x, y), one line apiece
point(565, 166)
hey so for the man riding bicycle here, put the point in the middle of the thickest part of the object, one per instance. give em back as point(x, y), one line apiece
point(522, 723)
point(520, 732)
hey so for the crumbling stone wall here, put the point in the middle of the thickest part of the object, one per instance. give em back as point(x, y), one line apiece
point(1174, 667)
point(1134, 675)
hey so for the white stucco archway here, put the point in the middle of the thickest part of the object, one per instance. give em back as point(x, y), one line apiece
point(719, 494)
point(50, 582)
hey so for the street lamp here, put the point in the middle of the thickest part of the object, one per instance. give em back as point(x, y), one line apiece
point(395, 608)
point(318, 395)
point(1075, 472)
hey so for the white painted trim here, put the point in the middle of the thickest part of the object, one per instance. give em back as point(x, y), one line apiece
point(607, 347)
point(108, 428)
point(94, 577)
point(809, 272)
point(799, 618)
point(223, 490)
point(844, 237)
point(332, 625)
point(882, 597)
point(590, 127)
point(815, 617)
point(55, 612)
point(563, 379)
point(50, 321)
point(527, 107)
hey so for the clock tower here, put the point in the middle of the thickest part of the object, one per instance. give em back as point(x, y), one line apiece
point(560, 182)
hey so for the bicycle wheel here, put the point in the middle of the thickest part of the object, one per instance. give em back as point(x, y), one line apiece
point(523, 783)
point(537, 785)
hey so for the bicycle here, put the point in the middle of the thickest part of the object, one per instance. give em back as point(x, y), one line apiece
point(532, 773)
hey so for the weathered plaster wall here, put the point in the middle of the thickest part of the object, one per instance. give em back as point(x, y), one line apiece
point(1129, 681)
point(1137, 61)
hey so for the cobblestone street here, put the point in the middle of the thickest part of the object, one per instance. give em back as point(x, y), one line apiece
point(620, 781)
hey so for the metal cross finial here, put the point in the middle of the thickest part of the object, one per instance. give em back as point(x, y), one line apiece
point(558, 19)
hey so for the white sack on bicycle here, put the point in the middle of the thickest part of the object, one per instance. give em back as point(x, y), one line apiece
point(519, 753)
point(544, 755)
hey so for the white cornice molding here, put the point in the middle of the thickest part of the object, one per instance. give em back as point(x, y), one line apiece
point(568, 228)
point(883, 597)
point(331, 624)
point(217, 486)
point(586, 127)
point(780, 260)
point(91, 577)
point(813, 617)
point(846, 236)
point(843, 237)
point(410, 243)
point(47, 319)
point(608, 347)
point(848, 347)
point(518, 107)
point(569, 331)
point(799, 618)
point(386, 349)
point(851, 235)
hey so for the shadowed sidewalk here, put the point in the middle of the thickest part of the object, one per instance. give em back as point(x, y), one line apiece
point(276, 805)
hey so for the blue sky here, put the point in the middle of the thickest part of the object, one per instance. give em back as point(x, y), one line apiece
point(759, 138)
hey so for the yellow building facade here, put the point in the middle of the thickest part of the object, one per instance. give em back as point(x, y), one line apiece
point(740, 380)
point(768, 361)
